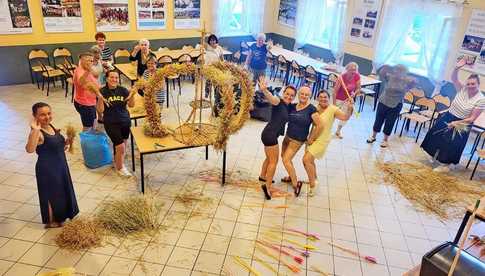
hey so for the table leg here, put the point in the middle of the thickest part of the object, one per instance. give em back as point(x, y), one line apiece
point(376, 96)
point(136, 122)
point(462, 227)
point(142, 174)
point(206, 152)
point(132, 152)
point(223, 168)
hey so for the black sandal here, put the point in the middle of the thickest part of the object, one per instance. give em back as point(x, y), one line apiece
point(264, 180)
point(266, 192)
point(286, 180)
point(298, 188)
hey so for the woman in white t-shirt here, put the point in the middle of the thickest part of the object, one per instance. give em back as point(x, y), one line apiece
point(444, 141)
point(213, 53)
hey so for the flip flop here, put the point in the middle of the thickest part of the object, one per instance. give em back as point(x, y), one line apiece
point(298, 188)
point(264, 180)
point(286, 179)
point(266, 192)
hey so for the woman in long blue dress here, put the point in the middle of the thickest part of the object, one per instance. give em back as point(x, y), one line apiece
point(56, 193)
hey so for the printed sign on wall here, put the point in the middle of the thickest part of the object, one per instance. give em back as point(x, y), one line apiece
point(111, 15)
point(472, 46)
point(150, 14)
point(187, 14)
point(15, 17)
point(287, 12)
point(364, 21)
point(62, 16)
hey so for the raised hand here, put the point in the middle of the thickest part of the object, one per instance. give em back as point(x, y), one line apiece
point(263, 85)
point(461, 63)
point(34, 124)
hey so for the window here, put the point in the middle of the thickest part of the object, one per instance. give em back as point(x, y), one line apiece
point(236, 12)
point(323, 34)
point(411, 50)
point(238, 17)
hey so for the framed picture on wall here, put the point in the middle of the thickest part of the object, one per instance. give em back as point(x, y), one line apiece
point(365, 18)
point(111, 15)
point(287, 12)
point(186, 14)
point(62, 16)
point(15, 17)
point(150, 14)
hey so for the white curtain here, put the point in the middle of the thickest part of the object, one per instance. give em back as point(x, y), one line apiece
point(222, 13)
point(310, 17)
point(338, 26)
point(441, 19)
point(254, 16)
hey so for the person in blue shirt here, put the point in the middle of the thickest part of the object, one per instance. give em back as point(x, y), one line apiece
point(256, 60)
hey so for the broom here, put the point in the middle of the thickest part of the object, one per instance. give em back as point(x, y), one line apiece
point(357, 113)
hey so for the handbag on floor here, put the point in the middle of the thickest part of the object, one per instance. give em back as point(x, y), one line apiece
point(96, 149)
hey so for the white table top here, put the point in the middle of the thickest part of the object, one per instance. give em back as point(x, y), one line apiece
point(480, 121)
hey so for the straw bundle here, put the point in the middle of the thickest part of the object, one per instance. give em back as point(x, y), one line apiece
point(71, 136)
point(433, 192)
point(80, 233)
point(134, 215)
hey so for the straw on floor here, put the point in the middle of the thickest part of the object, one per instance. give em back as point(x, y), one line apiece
point(80, 233)
point(441, 194)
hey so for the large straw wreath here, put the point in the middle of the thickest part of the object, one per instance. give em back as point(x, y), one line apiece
point(223, 75)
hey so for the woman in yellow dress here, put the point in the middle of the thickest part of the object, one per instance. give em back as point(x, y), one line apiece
point(316, 147)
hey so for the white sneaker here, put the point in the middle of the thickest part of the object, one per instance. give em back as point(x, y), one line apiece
point(442, 169)
point(124, 172)
point(384, 144)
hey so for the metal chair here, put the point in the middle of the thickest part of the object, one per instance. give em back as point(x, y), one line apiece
point(34, 57)
point(422, 104)
point(165, 60)
point(50, 75)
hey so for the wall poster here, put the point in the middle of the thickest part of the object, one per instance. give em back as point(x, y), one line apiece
point(15, 17)
point(472, 47)
point(111, 15)
point(187, 14)
point(364, 21)
point(150, 14)
point(287, 12)
point(62, 16)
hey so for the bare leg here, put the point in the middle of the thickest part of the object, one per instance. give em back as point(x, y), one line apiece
point(119, 156)
point(264, 167)
point(272, 154)
point(310, 168)
point(288, 155)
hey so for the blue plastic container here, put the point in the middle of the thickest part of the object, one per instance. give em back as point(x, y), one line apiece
point(96, 149)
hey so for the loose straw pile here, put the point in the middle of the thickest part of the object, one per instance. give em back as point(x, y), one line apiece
point(433, 192)
point(71, 136)
point(133, 215)
point(80, 233)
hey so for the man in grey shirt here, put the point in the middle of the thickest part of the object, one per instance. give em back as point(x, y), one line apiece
point(396, 83)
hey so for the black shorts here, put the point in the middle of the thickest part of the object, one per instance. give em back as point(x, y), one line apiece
point(117, 132)
point(269, 137)
point(88, 114)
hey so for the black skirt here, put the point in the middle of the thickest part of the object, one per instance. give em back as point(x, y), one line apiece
point(444, 143)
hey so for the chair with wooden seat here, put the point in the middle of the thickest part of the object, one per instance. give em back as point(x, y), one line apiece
point(407, 107)
point(236, 57)
point(187, 47)
point(62, 57)
point(68, 69)
point(417, 93)
point(442, 105)
point(165, 60)
point(51, 75)
point(271, 62)
point(186, 58)
point(311, 79)
point(367, 92)
point(481, 155)
point(297, 73)
point(415, 116)
point(161, 49)
point(34, 57)
point(244, 49)
point(121, 54)
point(281, 67)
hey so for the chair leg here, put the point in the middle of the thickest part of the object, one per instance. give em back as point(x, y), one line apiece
point(167, 84)
point(397, 123)
point(48, 87)
point(402, 128)
point(475, 168)
point(180, 87)
point(470, 160)
point(64, 81)
point(72, 93)
point(419, 131)
point(43, 81)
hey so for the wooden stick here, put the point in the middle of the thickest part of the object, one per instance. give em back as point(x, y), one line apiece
point(246, 265)
point(464, 236)
point(344, 86)
point(265, 264)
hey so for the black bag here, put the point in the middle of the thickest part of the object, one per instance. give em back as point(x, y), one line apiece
point(438, 262)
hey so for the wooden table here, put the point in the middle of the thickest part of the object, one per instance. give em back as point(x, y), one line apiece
point(150, 145)
point(128, 70)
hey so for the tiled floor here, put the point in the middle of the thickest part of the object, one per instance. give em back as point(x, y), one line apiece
point(350, 209)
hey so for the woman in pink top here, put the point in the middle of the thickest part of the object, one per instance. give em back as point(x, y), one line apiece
point(86, 89)
point(351, 79)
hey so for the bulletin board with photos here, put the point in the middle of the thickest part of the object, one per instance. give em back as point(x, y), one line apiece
point(364, 22)
point(472, 47)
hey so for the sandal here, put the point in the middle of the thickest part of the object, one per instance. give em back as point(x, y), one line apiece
point(298, 188)
point(370, 140)
point(266, 192)
point(286, 179)
point(264, 180)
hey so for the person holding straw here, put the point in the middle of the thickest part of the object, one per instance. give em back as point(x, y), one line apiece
point(272, 130)
point(447, 139)
point(347, 85)
point(316, 148)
